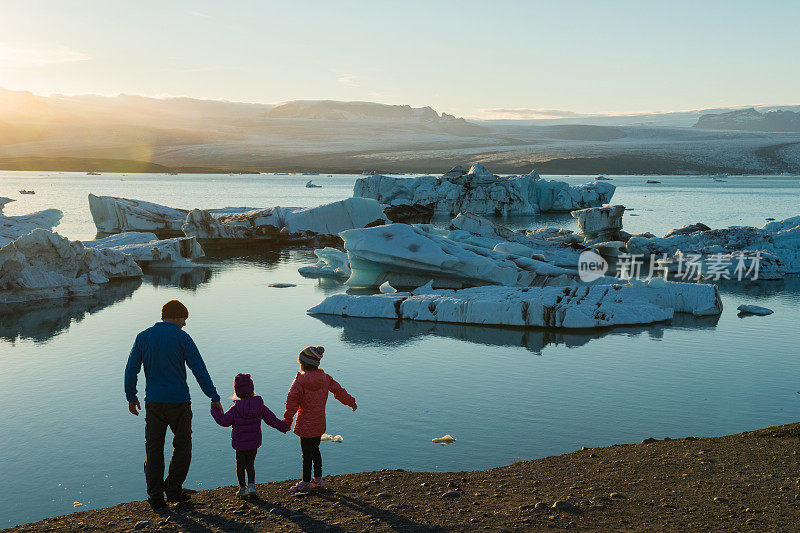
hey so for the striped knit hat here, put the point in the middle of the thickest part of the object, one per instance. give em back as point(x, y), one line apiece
point(312, 355)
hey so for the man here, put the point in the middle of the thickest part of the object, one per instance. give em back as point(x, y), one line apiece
point(165, 351)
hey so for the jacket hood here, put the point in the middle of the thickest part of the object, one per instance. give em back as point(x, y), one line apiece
point(250, 407)
point(314, 380)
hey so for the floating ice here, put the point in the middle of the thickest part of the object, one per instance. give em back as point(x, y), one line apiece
point(12, 227)
point(332, 438)
point(332, 263)
point(408, 256)
point(779, 238)
point(285, 222)
point(147, 249)
point(584, 306)
point(281, 285)
point(481, 192)
point(43, 265)
point(117, 215)
point(444, 441)
point(5, 200)
point(600, 222)
point(385, 288)
point(754, 310)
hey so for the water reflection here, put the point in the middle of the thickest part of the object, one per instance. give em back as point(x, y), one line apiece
point(182, 278)
point(762, 289)
point(383, 331)
point(41, 321)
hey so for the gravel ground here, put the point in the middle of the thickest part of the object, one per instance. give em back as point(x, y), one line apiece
point(744, 482)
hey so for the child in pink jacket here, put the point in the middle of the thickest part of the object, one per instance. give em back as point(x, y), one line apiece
point(307, 397)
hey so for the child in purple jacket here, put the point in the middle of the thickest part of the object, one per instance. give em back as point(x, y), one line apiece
point(246, 415)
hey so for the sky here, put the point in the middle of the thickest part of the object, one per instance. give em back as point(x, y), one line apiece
point(479, 59)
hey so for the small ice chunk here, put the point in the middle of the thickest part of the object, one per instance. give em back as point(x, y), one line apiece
point(754, 310)
point(281, 285)
point(332, 438)
point(447, 439)
point(385, 288)
point(77, 504)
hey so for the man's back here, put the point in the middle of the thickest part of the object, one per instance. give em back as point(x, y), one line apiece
point(165, 350)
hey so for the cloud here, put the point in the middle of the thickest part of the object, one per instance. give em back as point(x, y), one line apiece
point(348, 80)
point(526, 112)
point(30, 56)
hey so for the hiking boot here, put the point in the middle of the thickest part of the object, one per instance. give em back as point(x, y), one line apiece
point(178, 497)
point(317, 484)
point(242, 492)
point(157, 502)
point(300, 486)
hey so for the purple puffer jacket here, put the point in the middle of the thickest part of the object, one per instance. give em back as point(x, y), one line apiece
point(246, 416)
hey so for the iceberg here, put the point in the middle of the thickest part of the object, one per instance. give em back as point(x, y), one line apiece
point(5, 200)
point(332, 263)
point(289, 223)
point(408, 256)
point(43, 265)
point(13, 227)
point(600, 222)
point(555, 245)
point(780, 238)
point(148, 250)
point(580, 306)
point(481, 192)
point(746, 309)
point(118, 215)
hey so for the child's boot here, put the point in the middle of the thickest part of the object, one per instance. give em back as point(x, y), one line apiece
point(251, 490)
point(317, 483)
point(300, 486)
point(242, 492)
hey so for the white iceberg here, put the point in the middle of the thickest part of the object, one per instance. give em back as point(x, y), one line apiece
point(332, 263)
point(332, 438)
point(284, 222)
point(600, 222)
point(385, 288)
point(779, 238)
point(147, 249)
point(481, 192)
point(12, 227)
point(42, 265)
point(580, 306)
point(5, 200)
point(754, 310)
point(118, 215)
point(408, 256)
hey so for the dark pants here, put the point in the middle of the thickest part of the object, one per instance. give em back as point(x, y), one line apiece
point(246, 462)
point(310, 448)
point(158, 417)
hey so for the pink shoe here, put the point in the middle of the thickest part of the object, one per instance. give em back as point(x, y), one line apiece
point(300, 486)
point(317, 484)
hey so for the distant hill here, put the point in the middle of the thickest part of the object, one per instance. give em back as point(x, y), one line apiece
point(751, 120)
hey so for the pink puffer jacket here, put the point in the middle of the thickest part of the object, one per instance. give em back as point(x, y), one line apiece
point(307, 397)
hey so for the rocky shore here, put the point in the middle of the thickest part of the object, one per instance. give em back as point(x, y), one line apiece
point(744, 482)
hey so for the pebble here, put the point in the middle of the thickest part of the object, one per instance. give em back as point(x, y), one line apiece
point(141, 524)
point(452, 485)
point(615, 495)
point(720, 499)
point(451, 494)
point(540, 505)
point(384, 495)
point(563, 505)
point(648, 440)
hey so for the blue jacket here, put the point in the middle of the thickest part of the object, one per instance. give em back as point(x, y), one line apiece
point(163, 349)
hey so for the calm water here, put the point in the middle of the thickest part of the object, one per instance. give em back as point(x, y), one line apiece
point(505, 394)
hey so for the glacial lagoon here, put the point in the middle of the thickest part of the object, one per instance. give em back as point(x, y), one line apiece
point(505, 394)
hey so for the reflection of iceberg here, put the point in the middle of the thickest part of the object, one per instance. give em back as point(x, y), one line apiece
point(188, 278)
point(389, 332)
point(42, 320)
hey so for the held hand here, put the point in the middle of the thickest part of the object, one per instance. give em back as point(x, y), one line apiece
point(354, 406)
point(134, 408)
point(217, 406)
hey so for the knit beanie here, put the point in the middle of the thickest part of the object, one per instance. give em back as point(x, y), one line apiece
point(243, 385)
point(312, 355)
point(174, 309)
